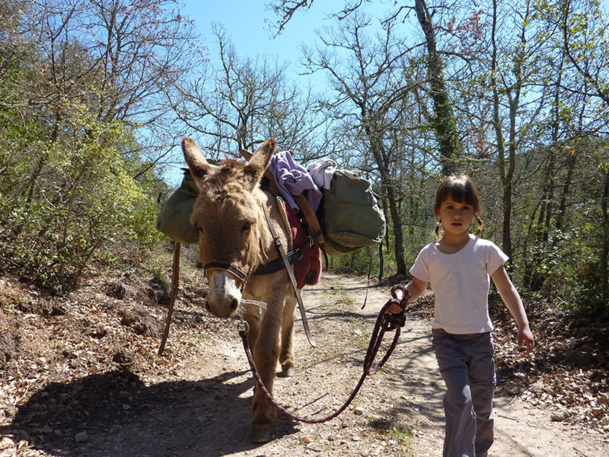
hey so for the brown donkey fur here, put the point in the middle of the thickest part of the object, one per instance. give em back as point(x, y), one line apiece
point(233, 230)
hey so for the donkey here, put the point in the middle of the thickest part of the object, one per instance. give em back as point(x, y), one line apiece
point(234, 239)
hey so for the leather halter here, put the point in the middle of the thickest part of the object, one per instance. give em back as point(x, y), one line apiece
point(263, 269)
point(213, 265)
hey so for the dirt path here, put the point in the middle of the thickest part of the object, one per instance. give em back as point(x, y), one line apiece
point(199, 405)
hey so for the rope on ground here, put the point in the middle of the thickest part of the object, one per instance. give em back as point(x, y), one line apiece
point(385, 322)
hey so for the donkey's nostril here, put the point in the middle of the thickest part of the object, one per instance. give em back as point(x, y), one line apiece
point(234, 305)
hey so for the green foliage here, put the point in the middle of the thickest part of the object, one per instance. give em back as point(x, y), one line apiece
point(79, 195)
point(571, 273)
point(558, 265)
point(360, 262)
point(73, 178)
point(159, 277)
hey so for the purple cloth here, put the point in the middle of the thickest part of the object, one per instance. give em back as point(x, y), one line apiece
point(293, 179)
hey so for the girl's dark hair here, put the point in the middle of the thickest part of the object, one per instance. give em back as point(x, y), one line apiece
point(460, 189)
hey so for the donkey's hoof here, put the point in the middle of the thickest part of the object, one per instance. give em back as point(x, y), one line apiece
point(261, 433)
point(287, 371)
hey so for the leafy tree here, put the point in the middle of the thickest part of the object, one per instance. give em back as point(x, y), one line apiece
point(442, 119)
point(86, 198)
point(372, 99)
point(242, 102)
point(521, 56)
point(75, 172)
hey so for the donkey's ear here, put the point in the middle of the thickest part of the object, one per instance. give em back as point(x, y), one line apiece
point(199, 167)
point(260, 161)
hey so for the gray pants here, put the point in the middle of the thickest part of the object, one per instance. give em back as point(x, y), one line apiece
point(468, 368)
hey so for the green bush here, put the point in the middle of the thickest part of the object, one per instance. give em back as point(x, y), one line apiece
point(570, 273)
point(78, 196)
point(361, 262)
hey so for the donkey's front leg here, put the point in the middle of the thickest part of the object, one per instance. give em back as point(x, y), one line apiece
point(266, 353)
point(286, 354)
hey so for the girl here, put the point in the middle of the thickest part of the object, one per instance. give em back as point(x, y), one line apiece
point(458, 266)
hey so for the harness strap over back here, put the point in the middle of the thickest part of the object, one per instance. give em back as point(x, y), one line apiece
point(288, 268)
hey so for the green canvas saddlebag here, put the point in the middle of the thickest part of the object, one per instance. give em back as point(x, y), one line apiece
point(174, 218)
point(350, 215)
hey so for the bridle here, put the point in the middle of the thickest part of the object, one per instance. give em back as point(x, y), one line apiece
point(224, 266)
point(263, 269)
point(284, 261)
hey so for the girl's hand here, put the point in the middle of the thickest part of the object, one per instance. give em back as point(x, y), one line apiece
point(526, 340)
point(394, 308)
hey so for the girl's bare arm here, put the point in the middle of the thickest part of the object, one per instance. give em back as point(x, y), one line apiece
point(416, 287)
point(512, 300)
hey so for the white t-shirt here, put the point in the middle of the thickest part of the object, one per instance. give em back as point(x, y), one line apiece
point(460, 282)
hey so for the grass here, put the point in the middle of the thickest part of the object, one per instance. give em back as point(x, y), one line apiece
point(159, 277)
point(398, 435)
point(342, 301)
point(404, 436)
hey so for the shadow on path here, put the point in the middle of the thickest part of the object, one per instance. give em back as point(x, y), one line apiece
point(115, 414)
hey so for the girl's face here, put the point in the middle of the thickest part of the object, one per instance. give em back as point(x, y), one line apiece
point(456, 217)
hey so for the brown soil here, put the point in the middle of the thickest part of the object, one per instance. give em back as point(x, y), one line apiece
point(80, 376)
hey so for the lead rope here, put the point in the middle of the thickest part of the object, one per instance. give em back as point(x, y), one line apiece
point(384, 322)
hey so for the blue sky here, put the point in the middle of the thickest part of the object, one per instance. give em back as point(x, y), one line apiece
point(247, 25)
point(245, 22)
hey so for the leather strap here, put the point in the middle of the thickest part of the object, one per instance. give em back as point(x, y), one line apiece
point(277, 264)
point(288, 268)
point(213, 265)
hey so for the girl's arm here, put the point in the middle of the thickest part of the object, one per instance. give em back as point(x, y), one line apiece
point(415, 288)
point(512, 300)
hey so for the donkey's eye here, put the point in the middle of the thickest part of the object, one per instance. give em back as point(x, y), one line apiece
point(199, 228)
point(245, 230)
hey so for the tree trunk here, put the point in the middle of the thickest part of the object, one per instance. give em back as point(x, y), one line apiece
point(381, 160)
point(566, 191)
point(395, 220)
point(381, 261)
point(398, 236)
point(443, 121)
point(604, 256)
point(506, 153)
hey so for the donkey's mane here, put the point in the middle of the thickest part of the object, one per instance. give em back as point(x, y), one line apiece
point(226, 181)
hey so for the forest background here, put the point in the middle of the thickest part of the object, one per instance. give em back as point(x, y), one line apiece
point(95, 96)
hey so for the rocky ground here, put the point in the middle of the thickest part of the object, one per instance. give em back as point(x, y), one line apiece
point(80, 376)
